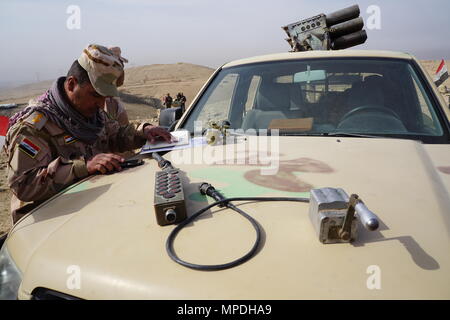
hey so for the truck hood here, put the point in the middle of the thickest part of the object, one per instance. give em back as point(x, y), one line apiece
point(105, 226)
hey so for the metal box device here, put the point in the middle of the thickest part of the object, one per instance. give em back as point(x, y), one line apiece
point(169, 203)
point(327, 211)
point(335, 215)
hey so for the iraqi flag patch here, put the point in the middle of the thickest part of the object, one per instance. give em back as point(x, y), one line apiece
point(69, 139)
point(29, 148)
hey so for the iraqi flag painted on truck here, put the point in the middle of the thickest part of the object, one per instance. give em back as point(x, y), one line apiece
point(4, 123)
point(441, 74)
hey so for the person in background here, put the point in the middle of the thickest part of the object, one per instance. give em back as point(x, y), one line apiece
point(167, 101)
point(182, 102)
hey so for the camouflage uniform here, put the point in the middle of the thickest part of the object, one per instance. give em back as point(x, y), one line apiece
point(116, 111)
point(117, 116)
point(44, 159)
point(168, 101)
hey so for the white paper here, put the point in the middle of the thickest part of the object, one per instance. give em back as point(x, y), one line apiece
point(182, 137)
point(192, 143)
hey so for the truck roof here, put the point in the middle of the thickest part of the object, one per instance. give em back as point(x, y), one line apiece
point(319, 54)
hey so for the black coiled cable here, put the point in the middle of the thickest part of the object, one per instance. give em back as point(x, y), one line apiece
point(225, 202)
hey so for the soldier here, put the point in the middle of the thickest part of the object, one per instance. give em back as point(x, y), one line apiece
point(180, 101)
point(183, 102)
point(64, 136)
point(168, 101)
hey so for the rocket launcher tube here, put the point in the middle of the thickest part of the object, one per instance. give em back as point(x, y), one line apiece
point(342, 15)
point(346, 27)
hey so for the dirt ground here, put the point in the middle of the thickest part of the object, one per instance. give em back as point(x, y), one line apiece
point(5, 220)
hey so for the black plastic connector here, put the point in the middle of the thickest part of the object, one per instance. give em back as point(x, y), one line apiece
point(162, 163)
point(207, 189)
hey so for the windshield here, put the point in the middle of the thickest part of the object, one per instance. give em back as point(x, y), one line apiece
point(382, 97)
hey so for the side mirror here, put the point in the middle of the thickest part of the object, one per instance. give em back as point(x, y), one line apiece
point(169, 117)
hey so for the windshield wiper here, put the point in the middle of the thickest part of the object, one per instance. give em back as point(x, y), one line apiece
point(336, 134)
point(329, 134)
point(349, 134)
point(301, 134)
point(361, 135)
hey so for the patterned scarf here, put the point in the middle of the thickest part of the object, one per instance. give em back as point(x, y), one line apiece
point(54, 105)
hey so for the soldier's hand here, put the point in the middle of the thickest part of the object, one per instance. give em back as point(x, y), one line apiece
point(154, 133)
point(103, 163)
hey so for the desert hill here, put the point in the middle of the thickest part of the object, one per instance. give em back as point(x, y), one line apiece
point(23, 93)
point(148, 84)
point(142, 91)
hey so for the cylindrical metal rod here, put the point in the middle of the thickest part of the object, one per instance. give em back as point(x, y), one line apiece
point(368, 219)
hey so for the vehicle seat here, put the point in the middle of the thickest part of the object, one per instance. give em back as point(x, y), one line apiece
point(272, 102)
point(369, 92)
point(258, 119)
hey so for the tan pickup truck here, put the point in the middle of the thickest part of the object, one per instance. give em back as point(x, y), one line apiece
point(370, 123)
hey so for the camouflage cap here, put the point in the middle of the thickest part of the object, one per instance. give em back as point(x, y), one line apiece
point(117, 52)
point(103, 67)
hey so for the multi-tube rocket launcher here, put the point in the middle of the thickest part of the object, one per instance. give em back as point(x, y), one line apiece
point(338, 30)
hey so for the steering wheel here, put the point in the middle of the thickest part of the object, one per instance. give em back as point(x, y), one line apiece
point(369, 108)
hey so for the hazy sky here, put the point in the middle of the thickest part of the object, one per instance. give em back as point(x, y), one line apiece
point(36, 43)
